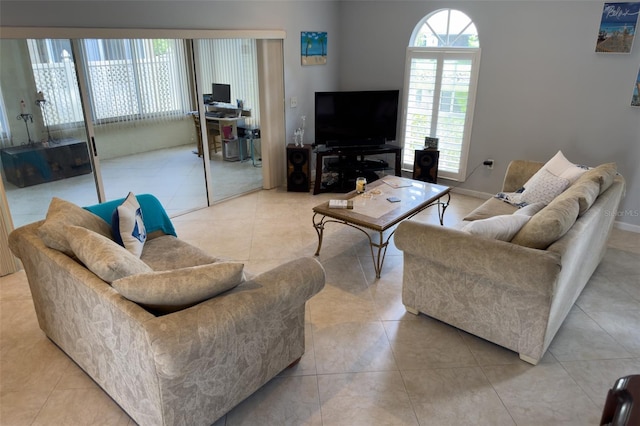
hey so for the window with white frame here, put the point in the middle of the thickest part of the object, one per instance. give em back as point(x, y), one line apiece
point(441, 77)
point(129, 79)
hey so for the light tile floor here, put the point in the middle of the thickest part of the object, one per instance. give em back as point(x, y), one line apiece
point(367, 361)
point(174, 175)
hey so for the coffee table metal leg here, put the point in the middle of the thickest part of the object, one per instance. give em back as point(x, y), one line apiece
point(378, 260)
point(442, 207)
point(319, 227)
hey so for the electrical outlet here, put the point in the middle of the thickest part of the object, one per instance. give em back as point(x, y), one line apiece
point(488, 163)
point(294, 102)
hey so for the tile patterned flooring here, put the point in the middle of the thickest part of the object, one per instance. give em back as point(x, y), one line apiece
point(367, 362)
point(174, 175)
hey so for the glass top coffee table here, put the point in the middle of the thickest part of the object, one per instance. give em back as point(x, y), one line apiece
point(373, 211)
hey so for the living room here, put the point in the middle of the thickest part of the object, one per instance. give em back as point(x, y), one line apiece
point(542, 88)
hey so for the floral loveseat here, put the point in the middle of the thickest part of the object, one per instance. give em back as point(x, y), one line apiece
point(200, 339)
point(510, 275)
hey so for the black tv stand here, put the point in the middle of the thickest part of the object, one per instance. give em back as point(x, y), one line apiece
point(350, 163)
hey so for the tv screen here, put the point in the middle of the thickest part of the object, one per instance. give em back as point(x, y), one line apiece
point(221, 93)
point(356, 118)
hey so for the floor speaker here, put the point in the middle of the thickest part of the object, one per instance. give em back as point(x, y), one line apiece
point(425, 165)
point(298, 168)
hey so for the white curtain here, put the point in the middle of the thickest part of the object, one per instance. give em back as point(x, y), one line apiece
point(233, 62)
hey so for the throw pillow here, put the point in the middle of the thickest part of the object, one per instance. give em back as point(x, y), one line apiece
point(530, 210)
point(549, 224)
point(62, 213)
point(502, 227)
point(102, 256)
point(550, 181)
point(585, 191)
point(543, 187)
point(128, 225)
point(559, 166)
point(603, 175)
point(170, 291)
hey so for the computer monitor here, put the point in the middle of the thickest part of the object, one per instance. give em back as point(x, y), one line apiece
point(221, 93)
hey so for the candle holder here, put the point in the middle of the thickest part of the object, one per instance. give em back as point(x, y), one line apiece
point(26, 117)
point(41, 102)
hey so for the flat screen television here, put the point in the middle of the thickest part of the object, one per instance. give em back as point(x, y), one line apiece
point(221, 93)
point(357, 118)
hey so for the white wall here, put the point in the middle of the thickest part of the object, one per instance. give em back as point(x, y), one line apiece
point(541, 86)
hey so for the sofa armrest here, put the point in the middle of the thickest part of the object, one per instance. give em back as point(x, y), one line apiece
point(518, 173)
point(497, 261)
point(227, 324)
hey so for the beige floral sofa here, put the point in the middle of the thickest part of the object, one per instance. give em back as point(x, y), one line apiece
point(512, 287)
point(177, 362)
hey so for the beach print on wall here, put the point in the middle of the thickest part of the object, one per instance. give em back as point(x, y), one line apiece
point(313, 48)
point(617, 27)
point(635, 100)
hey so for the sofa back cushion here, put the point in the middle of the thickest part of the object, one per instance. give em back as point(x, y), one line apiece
point(62, 213)
point(170, 291)
point(102, 256)
point(549, 224)
point(603, 175)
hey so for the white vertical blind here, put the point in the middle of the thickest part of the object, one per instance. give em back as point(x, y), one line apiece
point(233, 62)
point(5, 134)
point(136, 79)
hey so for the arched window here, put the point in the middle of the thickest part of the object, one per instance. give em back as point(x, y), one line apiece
point(441, 76)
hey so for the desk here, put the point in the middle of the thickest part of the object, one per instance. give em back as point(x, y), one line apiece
point(32, 164)
point(227, 129)
point(347, 153)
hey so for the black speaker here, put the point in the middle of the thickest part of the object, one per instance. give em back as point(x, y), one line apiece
point(298, 168)
point(425, 165)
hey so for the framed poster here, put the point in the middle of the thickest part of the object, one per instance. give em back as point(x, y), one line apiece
point(635, 99)
point(313, 47)
point(617, 27)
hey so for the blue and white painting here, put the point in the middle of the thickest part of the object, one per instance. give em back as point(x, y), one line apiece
point(617, 27)
point(313, 47)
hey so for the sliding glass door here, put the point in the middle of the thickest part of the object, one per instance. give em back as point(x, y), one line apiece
point(90, 119)
point(141, 99)
point(227, 75)
point(44, 150)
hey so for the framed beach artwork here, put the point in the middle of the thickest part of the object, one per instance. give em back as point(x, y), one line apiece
point(313, 47)
point(635, 99)
point(617, 27)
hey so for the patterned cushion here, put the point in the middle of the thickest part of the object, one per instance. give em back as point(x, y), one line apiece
point(502, 227)
point(102, 256)
point(128, 225)
point(63, 213)
point(170, 291)
point(543, 187)
point(550, 181)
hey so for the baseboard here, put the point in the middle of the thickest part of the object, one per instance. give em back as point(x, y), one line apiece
point(471, 193)
point(626, 227)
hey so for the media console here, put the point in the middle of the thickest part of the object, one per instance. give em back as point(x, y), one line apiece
point(350, 162)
